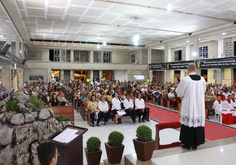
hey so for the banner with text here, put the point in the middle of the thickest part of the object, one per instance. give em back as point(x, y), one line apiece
point(216, 63)
point(178, 65)
point(157, 66)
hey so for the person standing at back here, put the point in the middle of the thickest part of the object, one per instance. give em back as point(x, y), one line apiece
point(191, 90)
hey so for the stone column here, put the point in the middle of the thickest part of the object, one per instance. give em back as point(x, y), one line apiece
point(196, 48)
point(91, 56)
point(6, 73)
point(218, 76)
point(210, 76)
point(62, 75)
point(100, 75)
point(72, 56)
point(72, 75)
point(91, 76)
point(166, 57)
point(220, 48)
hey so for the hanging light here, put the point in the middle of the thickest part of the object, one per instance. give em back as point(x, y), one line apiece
point(194, 53)
point(98, 46)
point(169, 7)
point(136, 43)
point(104, 43)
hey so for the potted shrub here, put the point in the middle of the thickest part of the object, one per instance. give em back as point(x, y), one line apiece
point(144, 144)
point(93, 151)
point(114, 147)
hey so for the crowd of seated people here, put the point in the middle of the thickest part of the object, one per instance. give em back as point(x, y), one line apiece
point(130, 94)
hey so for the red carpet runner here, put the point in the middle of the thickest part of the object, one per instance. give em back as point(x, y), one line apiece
point(212, 131)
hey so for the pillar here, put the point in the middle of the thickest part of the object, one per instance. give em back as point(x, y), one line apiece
point(172, 76)
point(17, 53)
point(91, 76)
point(218, 76)
point(100, 75)
point(140, 58)
point(72, 75)
point(182, 74)
point(220, 48)
point(166, 59)
point(49, 77)
point(149, 51)
point(196, 47)
point(6, 77)
point(62, 75)
point(8, 36)
point(71, 55)
point(91, 56)
point(227, 77)
point(210, 76)
point(187, 53)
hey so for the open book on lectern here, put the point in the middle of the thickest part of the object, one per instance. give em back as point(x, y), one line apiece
point(66, 136)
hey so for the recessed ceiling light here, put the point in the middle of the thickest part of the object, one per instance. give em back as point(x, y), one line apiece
point(223, 33)
point(187, 41)
point(98, 46)
point(194, 53)
point(169, 7)
point(104, 43)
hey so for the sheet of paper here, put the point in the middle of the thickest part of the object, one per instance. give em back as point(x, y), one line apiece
point(66, 136)
point(122, 112)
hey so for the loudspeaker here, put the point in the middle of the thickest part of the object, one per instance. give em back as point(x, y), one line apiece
point(5, 48)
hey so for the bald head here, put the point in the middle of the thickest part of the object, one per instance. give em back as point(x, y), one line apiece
point(191, 67)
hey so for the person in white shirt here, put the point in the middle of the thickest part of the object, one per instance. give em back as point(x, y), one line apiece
point(229, 107)
point(140, 108)
point(171, 96)
point(103, 107)
point(128, 104)
point(233, 100)
point(218, 104)
point(116, 107)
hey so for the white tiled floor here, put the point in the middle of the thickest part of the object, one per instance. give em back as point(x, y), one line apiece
point(220, 155)
point(127, 128)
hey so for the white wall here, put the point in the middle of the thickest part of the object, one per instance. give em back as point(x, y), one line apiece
point(38, 54)
point(119, 75)
point(157, 56)
point(120, 57)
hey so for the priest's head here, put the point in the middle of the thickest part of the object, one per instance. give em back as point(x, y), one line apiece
point(191, 68)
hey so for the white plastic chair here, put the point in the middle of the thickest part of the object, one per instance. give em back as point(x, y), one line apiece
point(220, 117)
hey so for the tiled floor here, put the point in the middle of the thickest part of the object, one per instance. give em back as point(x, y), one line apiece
point(219, 155)
point(127, 128)
point(215, 155)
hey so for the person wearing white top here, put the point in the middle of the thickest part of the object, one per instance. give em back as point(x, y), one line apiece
point(116, 107)
point(140, 108)
point(233, 100)
point(103, 107)
point(128, 104)
point(218, 105)
point(191, 90)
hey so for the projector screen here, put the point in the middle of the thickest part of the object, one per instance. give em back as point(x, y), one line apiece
point(138, 77)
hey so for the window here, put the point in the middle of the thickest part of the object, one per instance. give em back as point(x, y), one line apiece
point(132, 58)
point(57, 55)
point(80, 56)
point(228, 49)
point(234, 48)
point(178, 55)
point(203, 52)
point(102, 56)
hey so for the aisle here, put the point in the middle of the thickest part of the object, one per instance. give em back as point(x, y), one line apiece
point(212, 131)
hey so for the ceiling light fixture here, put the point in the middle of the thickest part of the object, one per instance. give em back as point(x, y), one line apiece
point(187, 41)
point(199, 39)
point(98, 46)
point(104, 43)
point(136, 38)
point(194, 53)
point(169, 7)
point(223, 33)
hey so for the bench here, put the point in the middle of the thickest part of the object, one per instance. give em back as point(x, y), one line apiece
point(161, 126)
point(208, 105)
point(66, 111)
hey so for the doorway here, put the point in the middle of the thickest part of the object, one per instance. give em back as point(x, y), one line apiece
point(204, 74)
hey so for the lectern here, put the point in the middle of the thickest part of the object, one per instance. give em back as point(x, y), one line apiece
point(70, 153)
